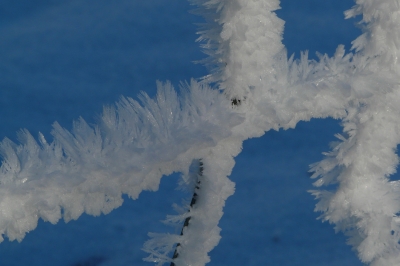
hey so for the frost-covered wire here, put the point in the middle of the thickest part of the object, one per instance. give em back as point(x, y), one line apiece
point(360, 199)
point(89, 168)
point(236, 35)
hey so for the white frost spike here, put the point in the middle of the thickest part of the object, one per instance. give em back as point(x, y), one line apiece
point(381, 21)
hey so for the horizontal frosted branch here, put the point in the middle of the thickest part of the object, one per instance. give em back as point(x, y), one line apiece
point(88, 169)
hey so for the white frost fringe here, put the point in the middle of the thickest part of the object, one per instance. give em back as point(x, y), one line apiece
point(129, 151)
point(361, 199)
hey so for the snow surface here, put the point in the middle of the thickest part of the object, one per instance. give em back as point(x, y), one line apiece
point(62, 60)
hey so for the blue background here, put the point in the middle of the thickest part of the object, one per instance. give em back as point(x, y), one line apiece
point(63, 59)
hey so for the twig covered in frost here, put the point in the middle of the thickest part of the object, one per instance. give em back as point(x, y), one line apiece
point(366, 203)
point(237, 34)
point(89, 169)
point(199, 175)
point(135, 144)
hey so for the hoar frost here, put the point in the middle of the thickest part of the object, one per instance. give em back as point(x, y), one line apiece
point(252, 87)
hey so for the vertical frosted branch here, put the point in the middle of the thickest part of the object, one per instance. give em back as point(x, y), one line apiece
point(243, 39)
point(198, 176)
point(360, 198)
point(202, 233)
